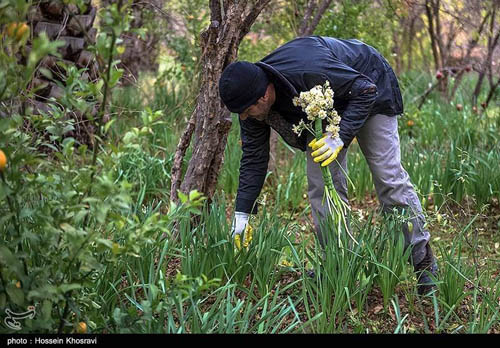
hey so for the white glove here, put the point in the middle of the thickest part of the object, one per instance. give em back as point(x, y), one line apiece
point(326, 149)
point(239, 223)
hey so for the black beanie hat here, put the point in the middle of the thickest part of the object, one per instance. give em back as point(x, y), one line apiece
point(241, 85)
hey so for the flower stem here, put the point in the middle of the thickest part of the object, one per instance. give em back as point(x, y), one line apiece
point(336, 206)
point(327, 176)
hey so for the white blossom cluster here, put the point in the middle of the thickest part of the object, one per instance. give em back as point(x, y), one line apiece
point(318, 103)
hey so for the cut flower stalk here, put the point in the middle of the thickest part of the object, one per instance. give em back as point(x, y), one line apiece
point(336, 206)
point(318, 103)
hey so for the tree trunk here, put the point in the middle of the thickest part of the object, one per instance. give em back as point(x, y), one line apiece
point(432, 34)
point(411, 34)
point(434, 27)
point(493, 40)
point(210, 121)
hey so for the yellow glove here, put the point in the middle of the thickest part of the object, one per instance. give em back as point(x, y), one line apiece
point(326, 149)
point(241, 226)
point(248, 235)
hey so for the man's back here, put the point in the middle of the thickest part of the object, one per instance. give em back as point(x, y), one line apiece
point(328, 55)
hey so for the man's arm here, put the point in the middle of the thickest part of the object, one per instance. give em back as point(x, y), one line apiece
point(253, 165)
point(361, 97)
point(350, 86)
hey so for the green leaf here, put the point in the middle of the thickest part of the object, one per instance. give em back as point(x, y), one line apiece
point(105, 242)
point(115, 77)
point(69, 287)
point(120, 49)
point(3, 300)
point(44, 292)
point(12, 263)
point(154, 291)
point(46, 310)
point(67, 228)
point(16, 295)
point(194, 194)
point(108, 124)
point(115, 249)
point(46, 72)
point(182, 197)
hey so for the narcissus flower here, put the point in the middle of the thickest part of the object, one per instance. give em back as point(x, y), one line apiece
point(317, 103)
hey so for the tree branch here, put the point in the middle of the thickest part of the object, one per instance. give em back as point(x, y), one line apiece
point(472, 43)
point(324, 6)
point(251, 17)
point(311, 5)
point(179, 156)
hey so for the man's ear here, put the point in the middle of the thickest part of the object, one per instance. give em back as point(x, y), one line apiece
point(267, 95)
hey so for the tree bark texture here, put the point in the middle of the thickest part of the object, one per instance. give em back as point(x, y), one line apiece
point(210, 121)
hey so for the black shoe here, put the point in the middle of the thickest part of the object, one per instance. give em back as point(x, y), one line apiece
point(311, 274)
point(425, 270)
point(425, 283)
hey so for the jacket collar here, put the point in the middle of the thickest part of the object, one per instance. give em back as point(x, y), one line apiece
point(285, 84)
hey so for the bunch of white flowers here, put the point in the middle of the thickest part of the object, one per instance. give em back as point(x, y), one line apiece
point(318, 103)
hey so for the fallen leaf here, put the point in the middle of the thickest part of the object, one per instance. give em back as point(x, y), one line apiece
point(392, 314)
point(377, 309)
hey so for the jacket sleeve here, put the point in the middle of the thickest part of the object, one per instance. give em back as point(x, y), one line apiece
point(352, 89)
point(253, 164)
point(361, 97)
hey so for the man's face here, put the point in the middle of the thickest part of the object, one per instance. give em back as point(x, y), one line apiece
point(260, 110)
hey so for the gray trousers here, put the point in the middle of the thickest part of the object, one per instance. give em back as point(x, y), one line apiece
point(379, 142)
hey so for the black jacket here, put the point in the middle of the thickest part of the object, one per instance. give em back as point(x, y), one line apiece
point(363, 83)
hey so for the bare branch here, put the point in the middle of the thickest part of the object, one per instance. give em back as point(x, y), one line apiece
point(324, 6)
point(311, 5)
point(179, 156)
point(472, 43)
point(251, 17)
